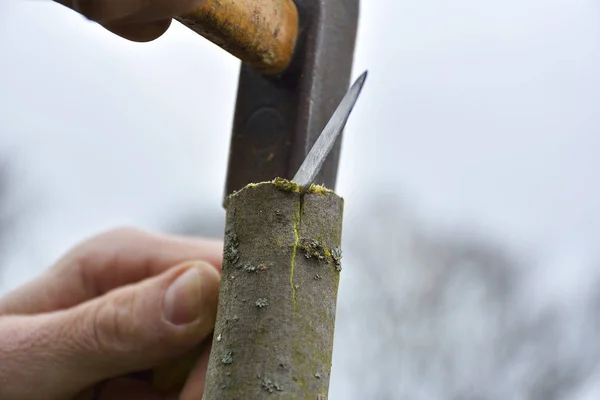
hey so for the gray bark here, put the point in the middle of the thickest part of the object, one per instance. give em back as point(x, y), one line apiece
point(277, 303)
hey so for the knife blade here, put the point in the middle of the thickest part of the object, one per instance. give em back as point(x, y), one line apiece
point(313, 162)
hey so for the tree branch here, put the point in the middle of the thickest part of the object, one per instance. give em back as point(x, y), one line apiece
point(275, 324)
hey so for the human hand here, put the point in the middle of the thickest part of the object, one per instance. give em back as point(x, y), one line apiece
point(136, 20)
point(122, 302)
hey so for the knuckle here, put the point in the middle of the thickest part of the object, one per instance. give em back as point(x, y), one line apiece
point(111, 236)
point(112, 324)
point(123, 231)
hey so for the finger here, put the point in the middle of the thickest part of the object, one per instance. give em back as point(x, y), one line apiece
point(107, 10)
point(194, 387)
point(104, 11)
point(173, 376)
point(132, 328)
point(103, 263)
point(128, 389)
point(141, 31)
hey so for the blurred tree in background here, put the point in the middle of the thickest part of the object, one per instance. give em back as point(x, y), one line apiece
point(450, 317)
point(433, 314)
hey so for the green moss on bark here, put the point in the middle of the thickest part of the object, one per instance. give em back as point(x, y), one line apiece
point(283, 335)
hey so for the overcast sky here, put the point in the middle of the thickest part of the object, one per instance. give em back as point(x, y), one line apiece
point(477, 114)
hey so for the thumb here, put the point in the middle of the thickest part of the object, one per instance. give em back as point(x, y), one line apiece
point(133, 328)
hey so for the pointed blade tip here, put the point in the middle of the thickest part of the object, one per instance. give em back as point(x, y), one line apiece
point(352, 94)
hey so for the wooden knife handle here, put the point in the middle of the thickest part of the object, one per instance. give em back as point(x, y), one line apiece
point(261, 33)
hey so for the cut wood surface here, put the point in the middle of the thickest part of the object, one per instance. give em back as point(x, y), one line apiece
point(277, 303)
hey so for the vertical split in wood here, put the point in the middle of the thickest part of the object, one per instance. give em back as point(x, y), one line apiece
point(277, 303)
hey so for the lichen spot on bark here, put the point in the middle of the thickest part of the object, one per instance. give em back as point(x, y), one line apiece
point(230, 252)
point(227, 357)
point(270, 386)
point(316, 250)
point(336, 254)
point(261, 303)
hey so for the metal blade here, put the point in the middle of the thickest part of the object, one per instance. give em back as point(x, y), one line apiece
point(318, 154)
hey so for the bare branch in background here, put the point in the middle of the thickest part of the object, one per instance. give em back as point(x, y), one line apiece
point(447, 316)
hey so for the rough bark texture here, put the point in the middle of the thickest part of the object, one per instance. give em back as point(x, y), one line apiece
point(275, 324)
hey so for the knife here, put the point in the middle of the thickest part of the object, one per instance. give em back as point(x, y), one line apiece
point(318, 154)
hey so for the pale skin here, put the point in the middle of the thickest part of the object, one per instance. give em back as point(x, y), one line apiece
point(122, 302)
point(119, 303)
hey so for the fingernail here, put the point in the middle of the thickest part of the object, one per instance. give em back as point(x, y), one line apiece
point(106, 11)
point(184, 298)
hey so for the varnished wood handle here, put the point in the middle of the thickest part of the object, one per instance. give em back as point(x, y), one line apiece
point(261, 33)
